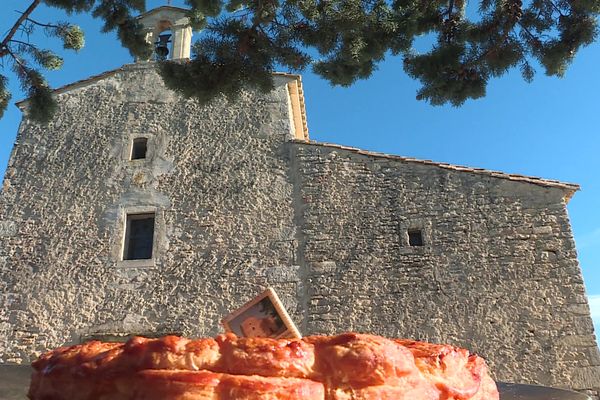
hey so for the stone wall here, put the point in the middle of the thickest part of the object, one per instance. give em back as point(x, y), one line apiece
point(498, 272)
point(240, 206)
point(216, 176)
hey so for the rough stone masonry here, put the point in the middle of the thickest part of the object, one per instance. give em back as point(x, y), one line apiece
point(240, 204)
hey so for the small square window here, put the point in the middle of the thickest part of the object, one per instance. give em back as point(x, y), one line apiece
point(415, 237)
point(139, 237)
point(139, 148)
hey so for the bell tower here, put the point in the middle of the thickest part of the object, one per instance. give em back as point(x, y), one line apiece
point(168, 29)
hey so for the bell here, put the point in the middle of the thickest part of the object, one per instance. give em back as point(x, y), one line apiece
point(162, 46)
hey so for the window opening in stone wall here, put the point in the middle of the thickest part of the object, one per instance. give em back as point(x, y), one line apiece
point(139, 237)
point(139, 148)
point(415, 237)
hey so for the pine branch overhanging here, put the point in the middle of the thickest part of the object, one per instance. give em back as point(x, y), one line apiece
point(344, 40)
point(244, 41)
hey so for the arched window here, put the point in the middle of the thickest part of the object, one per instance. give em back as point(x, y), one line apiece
point(162, 45)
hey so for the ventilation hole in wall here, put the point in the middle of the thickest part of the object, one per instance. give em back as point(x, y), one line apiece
point(139, 148)
point(415, 237)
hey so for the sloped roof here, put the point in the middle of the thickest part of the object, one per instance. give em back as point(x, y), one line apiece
point(82, 82)
point(183, 11)
point(569, 188)
point(94, 78)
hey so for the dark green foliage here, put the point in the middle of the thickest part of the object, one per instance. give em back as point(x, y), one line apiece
point(40, 105)
point(129, 32)
point(446, 75)
point(244, 41)
point(575, 31)
point(71, 35)
point(71, 6)
point(197, 19)
point(209, 8)
point(48, 59)
point(44, 58)
point(350, 37)
point(509, 33)
point(223, 67)
point(4, 94)
point(117, 16)
point(527, 71)
point(347, 38)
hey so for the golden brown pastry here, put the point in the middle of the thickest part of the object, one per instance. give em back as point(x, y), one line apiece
point(267, 357)
point(454, 372)
point(360, 360)
point(350, 366)
point(407, 389)
point(204, 385)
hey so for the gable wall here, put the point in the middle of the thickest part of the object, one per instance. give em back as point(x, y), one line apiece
point(498, 273)
point(216, 177)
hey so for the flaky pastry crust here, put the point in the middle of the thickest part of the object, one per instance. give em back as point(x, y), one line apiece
point(349, 366)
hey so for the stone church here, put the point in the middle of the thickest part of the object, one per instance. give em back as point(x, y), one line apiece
point(137, 211)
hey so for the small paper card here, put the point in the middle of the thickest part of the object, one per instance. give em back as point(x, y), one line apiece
point(263, 316)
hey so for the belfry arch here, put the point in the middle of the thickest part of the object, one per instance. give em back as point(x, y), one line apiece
point(168, 20)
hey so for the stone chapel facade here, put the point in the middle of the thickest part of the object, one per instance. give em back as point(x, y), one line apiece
point(136, 211)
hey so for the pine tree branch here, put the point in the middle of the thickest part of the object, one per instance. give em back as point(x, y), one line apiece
point(33, 21)
point(16, 59)
point(4, 45)
point(21, 42)
point(558, 10)
point(450, 8)
point(531, 35)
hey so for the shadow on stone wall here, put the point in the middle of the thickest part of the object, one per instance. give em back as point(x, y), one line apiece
point(14, 381)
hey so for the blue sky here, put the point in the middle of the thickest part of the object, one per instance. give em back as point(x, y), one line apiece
point(549, 128)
